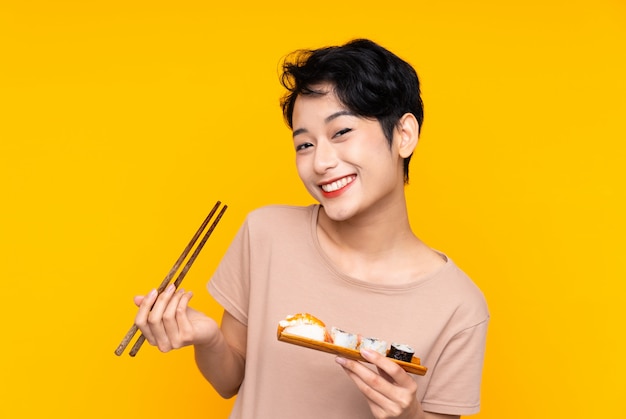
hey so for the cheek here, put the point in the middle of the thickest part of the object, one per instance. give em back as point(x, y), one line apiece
point(303, 167)
point(300, 167)
point(377, 157)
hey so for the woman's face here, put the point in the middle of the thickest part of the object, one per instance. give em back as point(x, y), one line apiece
point(344, 160)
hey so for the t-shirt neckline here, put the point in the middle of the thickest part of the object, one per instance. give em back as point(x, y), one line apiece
point(314, 213)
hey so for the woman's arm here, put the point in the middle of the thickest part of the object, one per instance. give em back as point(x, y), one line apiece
point(429, 415)
point(391, 393)
point(168, 322)
point(223, 363)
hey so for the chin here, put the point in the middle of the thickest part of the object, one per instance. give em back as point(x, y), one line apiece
point(337, 214)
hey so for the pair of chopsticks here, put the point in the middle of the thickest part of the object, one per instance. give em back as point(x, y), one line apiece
point(133, 330)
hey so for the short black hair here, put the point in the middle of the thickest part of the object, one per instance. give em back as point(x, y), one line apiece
point(368, 79)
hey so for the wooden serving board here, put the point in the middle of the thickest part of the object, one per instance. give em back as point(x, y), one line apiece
point(413, 367)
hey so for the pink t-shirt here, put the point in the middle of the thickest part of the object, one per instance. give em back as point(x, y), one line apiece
point(275, 267)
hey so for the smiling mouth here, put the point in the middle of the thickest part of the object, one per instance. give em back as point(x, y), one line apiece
point(338, 184)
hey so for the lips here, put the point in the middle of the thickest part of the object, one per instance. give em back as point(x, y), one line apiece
point(337, 184)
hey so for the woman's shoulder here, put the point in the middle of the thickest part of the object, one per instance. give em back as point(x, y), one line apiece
point(277, 210)
point(464, 292)
point(280, 215)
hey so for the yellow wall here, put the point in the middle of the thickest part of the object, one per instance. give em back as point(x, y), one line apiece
point(121, 123)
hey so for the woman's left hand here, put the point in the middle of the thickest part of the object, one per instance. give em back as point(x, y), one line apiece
point(391, 393)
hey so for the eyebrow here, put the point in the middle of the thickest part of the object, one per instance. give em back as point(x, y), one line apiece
point(326, 120)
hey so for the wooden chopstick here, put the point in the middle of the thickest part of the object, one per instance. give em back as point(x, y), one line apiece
point(142, 338)
point(133, 330)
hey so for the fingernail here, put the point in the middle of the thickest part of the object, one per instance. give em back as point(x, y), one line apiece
point(366, 353)
point(153, 293)
point(340, 361)
point(170, 288)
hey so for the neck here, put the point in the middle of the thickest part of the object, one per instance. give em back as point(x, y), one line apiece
point(379, 231)
point(377, 247)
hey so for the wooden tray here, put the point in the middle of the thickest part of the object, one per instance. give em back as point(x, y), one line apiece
point(413, 367)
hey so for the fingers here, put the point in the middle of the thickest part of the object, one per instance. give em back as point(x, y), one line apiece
point(389, 369)
point(372, 385)
point(155, 319)
point(175, 321)
point(185, 328)
point(158, 317)
point(141, 319)
point(138, 299)
point(391, 392)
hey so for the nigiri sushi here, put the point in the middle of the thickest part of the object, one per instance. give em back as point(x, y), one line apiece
point(304, 325)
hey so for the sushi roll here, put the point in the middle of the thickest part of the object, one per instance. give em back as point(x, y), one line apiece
point(343, 338)
point(401, 352)
point(374, 344)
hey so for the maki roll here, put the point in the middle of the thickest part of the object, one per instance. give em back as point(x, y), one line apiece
point(401, 352)
point(374, 344)
point(344, 339)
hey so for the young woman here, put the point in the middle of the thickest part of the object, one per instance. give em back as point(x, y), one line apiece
point(352, 260)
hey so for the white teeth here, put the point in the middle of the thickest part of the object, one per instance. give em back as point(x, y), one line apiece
point(338, 184)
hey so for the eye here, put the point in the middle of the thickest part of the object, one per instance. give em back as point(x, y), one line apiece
point(342, 132)
point(303, 146)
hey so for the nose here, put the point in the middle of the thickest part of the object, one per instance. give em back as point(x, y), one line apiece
point(325, 157)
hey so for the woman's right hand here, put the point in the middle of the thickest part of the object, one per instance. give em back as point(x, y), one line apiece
point(168, 322)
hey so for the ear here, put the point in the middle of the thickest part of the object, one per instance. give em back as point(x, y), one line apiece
point(408, 134)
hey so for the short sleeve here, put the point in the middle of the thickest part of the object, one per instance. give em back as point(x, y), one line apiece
point(230, 284)
point(455, 387)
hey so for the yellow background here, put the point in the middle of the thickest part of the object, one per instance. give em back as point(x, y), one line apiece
point(121, 123)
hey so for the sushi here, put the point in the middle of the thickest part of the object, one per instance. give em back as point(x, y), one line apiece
point(374, 344)
point(344, 339)
point(304, 325)
point(401, 352)
point(310, 327)
point(306, 330)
